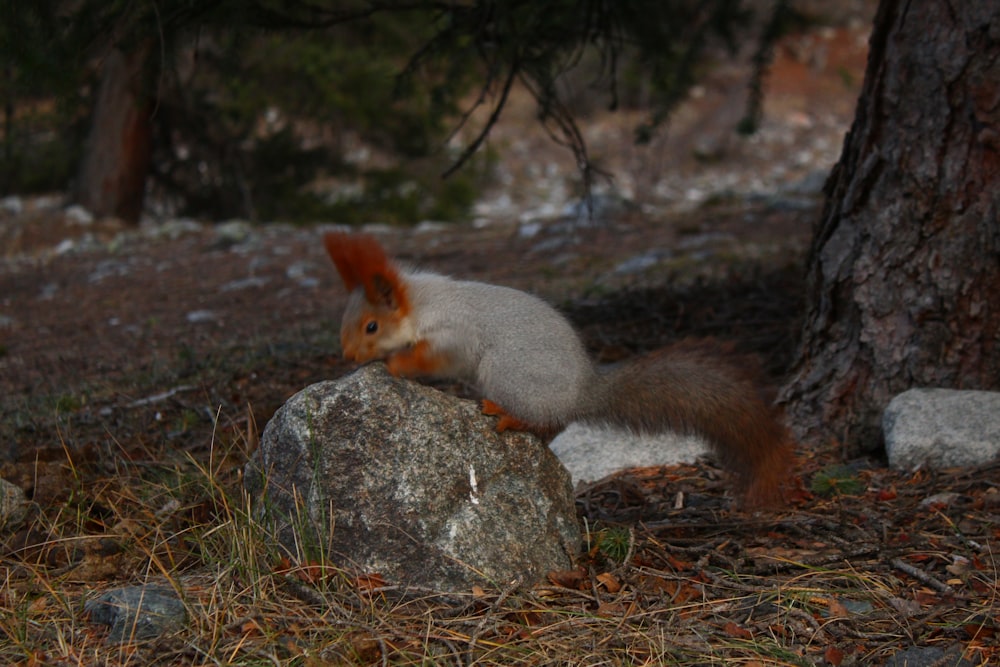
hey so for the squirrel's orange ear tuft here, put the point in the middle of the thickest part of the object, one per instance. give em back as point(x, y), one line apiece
point(341, 248)
point(361, 262)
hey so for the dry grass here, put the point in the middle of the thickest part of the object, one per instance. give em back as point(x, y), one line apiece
point(842, 580)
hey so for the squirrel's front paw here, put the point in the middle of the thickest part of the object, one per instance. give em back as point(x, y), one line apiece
point(394, 366)
point(506, 421)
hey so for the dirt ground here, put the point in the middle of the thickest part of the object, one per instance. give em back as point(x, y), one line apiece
point(147, 342)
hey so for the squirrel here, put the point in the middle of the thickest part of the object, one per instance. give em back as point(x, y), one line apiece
point(532, 370)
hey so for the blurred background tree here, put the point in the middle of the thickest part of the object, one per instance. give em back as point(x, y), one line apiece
point(40, 86)
point(321, 109)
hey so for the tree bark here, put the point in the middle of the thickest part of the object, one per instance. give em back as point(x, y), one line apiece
point(118, 152)
point(904, 270)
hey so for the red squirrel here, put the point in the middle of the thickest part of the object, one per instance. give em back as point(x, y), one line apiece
point(533, 372)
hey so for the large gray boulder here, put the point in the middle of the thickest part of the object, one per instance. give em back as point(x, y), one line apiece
point(942, 428)
point(388, 477)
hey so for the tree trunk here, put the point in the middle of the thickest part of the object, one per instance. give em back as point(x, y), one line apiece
point(118, 152)
point(904, 270)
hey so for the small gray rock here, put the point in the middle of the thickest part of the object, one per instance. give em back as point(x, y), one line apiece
point(13, 505)
point(942, 428)
point(199, 316)
point(385, 476)
point(929, 656)
point(138, 612)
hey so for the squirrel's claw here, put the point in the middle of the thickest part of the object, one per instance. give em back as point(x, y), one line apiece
point(508, 422)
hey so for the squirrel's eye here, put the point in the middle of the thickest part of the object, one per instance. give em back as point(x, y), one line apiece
point(371, 327)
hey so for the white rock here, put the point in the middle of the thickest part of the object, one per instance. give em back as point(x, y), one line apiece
point(593, 452)
point(299, 272)
point(79, 215)
point(174, 229)
point(48, 292)
point(47, 202)
point(529, 230)
point(64, 246)
point(942, 428)
point(377, 228)
point(109, 268)
point(233, 231)
point(12, 205)
point(197, 316)
point(431, 227)
point(245, 283)
point(640, 263)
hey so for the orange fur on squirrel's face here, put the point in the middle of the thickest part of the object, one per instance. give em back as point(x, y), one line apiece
point(372, 331)
point(376, 322)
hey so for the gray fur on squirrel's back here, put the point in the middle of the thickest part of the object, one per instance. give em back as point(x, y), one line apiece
point(536, 372)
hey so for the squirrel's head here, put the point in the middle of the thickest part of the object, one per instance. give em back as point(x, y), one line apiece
point(376, 321)
point(373, 330)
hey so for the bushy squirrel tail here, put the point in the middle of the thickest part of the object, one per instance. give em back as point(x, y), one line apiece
point(692, 388)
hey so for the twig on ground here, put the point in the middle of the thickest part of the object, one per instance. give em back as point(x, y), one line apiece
point(924, 578)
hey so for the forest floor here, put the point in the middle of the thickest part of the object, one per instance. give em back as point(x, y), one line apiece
point(138, 366)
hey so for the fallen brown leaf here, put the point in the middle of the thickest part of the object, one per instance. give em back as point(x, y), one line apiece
point(734, 630)
point(833, 655)
point(610, 583)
